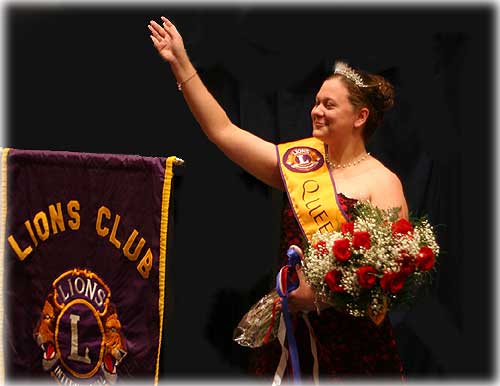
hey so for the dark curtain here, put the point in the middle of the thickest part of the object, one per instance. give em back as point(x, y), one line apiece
point(88, 79)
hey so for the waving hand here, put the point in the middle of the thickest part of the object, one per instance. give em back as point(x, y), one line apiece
point(166, 40)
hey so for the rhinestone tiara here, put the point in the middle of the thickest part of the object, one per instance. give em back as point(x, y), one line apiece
point(343, 68)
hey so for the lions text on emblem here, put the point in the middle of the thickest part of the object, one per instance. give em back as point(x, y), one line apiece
point(79, 330)
point(302, 159)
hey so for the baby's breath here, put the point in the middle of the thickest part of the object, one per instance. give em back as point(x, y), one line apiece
point(384, 255)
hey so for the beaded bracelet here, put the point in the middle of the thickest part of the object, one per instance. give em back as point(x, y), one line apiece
point(179, 84)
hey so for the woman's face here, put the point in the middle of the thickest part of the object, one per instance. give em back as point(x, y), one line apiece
point(333, 115)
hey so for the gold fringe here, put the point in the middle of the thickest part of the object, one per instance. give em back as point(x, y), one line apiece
point(167, 188)
point(3, 222)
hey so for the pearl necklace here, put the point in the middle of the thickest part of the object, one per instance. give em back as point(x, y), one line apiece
point(333, 165)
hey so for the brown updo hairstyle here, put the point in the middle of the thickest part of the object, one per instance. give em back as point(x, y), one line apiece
point(378, 97)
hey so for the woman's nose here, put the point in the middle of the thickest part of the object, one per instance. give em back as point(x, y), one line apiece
point(317, 110)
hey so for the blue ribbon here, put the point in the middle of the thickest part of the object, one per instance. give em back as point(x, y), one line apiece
point(289, 269)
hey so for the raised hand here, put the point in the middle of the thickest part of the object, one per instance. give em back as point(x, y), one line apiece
point(167, 40)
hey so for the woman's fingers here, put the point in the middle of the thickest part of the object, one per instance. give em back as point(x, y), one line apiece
point(169, 33)
point(165, 20)
point(166, 39)
point(300, 274)
point(298, 250)
point(155, 40)
point(155, 32)
point(169, 27)
point(157, 28)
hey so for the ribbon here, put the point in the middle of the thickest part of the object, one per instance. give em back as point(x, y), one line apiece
point(287, 281)
point(278, 376)
point(271, 325)
point(314, 349)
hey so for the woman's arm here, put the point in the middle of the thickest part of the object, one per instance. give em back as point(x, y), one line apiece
point(252, 153)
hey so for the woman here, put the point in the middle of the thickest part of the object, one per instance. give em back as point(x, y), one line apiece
point(348, 108)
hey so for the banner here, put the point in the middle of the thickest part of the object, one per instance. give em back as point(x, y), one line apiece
point(84, 257)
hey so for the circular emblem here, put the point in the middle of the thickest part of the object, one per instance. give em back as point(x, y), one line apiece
point(81, 357)
point(79, 331)
point(302, 159)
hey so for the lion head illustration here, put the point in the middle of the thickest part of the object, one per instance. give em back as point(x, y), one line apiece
point(115, 344)
point(83, 333)
point(44, 333)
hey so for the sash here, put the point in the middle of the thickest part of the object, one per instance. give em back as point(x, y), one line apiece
point(84, 259)
point(313, 197)
point(310, 186)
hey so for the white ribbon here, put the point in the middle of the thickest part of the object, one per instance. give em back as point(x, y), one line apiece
point(278, 376)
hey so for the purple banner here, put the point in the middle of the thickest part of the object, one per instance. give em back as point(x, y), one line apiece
point(84, 254)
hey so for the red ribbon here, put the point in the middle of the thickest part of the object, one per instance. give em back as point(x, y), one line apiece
point(273, 319)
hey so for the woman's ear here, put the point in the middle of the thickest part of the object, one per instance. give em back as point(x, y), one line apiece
point(363, 114)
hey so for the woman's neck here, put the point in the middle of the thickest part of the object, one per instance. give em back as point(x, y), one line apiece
point(344, 152)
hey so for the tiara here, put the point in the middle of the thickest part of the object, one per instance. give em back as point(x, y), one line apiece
point(343, 68)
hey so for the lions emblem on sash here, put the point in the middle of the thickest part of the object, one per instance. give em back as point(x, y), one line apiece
point(79, 330)
point(302, 159)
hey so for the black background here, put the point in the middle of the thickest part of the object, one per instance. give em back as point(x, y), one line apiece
point(88, 79)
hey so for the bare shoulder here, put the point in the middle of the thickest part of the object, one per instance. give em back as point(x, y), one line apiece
point(386, 190)
point(382, 175)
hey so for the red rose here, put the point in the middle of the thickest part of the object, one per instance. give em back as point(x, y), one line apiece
point(366, 276)
point(402, 227)
point(332, 278)
point(347, 227)
point(320, 246)
point(361, 239)
point(406, 262)
point(393, 282)
point(425, 259)
point(341, 249)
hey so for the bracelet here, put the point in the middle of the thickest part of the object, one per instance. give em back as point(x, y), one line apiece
point(179, 84)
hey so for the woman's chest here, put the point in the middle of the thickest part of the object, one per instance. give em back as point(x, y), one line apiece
point(354, 186)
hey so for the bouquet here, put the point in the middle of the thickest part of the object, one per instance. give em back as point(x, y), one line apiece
point(371, 264)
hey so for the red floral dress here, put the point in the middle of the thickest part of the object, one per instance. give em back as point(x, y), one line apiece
point(347, 346)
